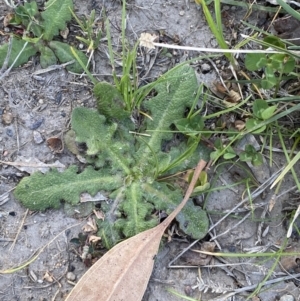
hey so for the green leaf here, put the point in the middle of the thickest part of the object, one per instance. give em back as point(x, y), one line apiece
point(17, 46)
point(92, 129)
point(259, 105)
point(257, 159)
point(255, 61)
point(274, 41)
point(288, 64)
point(55, 16)
point(174, 94)
point(268, 113)
point(251, 123)
point(64, 55)
point(138, 212)
point(193, 221)
point(189, 126)
point(28, 9)
point(25, 13)
point(228, 156)
point(47, 57)
point(110, 102)
point(271, 80)
point(110, 236)
point(39, 192)
point(245, 156)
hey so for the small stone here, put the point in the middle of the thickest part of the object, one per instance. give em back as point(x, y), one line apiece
point(205, 68)
point(181, 13)
point(287, 298)
point(37, 137)
point(9, 132)
point(7, 118)
point(41, 101)
point(71, 276)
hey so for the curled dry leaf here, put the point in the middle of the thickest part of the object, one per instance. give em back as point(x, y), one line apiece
point(239, 125)
point(233, 96)
point(31, 165)
point(7, 19)
point(99, 214)
point(90, 226)
point(55, 144)
point(48, 277)
point(147, 40)
point(124, 271)
point(64, 33)
point(86, 197)
point(94, 239)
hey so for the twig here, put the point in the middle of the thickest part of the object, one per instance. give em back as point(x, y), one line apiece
point(17, 132)
point(53, 67)
point(215, 50)
point(19, 230)
point(261, 224)
point(233, 227)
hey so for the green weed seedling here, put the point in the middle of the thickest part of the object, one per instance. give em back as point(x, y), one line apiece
point(38, 28)
point(128, 167)
point(273, 65)
point(220, 150)
point(91, 38)
point(252, 155)
point(261, 112)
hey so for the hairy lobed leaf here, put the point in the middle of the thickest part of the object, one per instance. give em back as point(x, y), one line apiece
point(17, 46)
point(110, 102)
point(39, 192)
point(55, 16)
point(64, 54)
point(193, 221)
point(92, 129)
point(174, 95)
point(47, 57)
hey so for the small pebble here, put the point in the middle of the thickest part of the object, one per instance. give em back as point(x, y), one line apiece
point(287, 298)
point(205, 68)
point(58, 97)
point(36, 124)
point(37, 137)
point(41, 101)
point(9, 132)
point(181, 13)
point(7, 118)
point(71, 276)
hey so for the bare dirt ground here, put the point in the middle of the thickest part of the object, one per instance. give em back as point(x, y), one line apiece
point(41, 107)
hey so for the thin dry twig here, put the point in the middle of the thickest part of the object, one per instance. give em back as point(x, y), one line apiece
point(19, 230)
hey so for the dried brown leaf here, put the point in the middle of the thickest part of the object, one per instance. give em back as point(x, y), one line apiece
point(147, 40)
point(55, 144)
point(124, 271)
point(31, 165)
